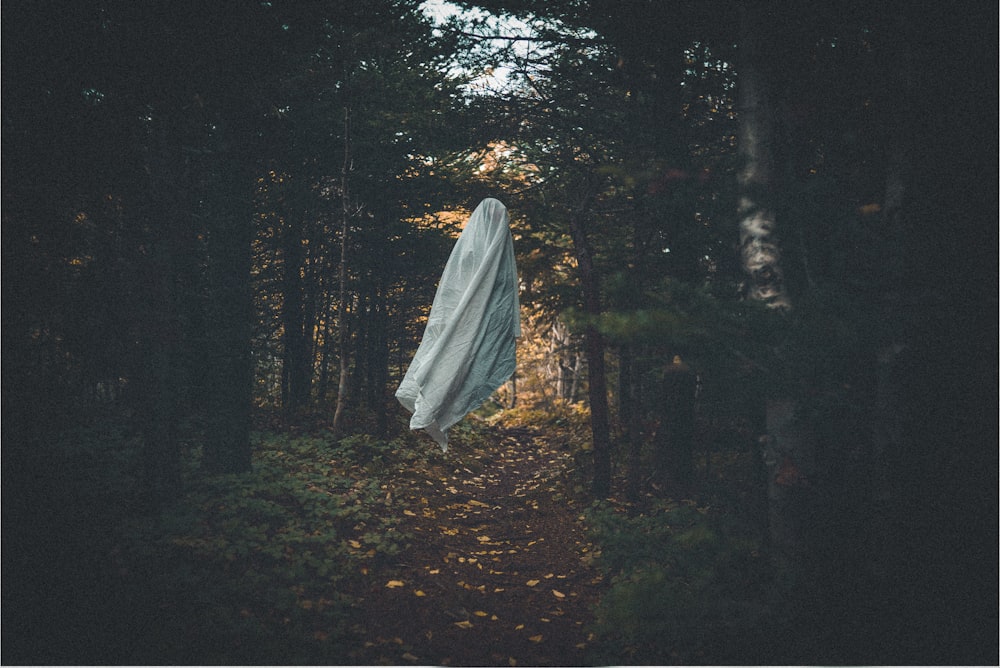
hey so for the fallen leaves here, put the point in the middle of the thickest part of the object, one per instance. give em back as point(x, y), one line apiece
point(490, 559)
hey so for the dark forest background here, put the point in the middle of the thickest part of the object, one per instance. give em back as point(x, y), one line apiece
point(224, 217)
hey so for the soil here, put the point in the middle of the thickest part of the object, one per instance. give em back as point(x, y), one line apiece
point(498, 572)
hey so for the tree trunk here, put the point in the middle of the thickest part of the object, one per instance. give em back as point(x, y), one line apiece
point(758, 244)
point(380, 358)
point(230, 310)
point(785, 445)
point(888, 443)
point(600, 419)
point(342, 321)
point(159, 320)
point(296, 365)
point(629, 417)
point(675, 438)
point(159, 387)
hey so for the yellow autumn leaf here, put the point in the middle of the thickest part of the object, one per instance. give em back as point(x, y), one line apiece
point(537, 638)
point(466, 624)
point(355, 544)
point(410, 657)
point(410, 513)
point(519, 627)
point(392, 584)
point(532, 583)
point(483, 539)
point(480, 613)
point(558, 594)
point(419, 592)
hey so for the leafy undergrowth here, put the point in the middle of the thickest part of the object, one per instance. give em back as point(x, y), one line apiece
point(331, 551)
point(363, 551)
point(688, 585)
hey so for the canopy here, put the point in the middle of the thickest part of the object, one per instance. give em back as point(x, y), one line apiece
point(467, 350)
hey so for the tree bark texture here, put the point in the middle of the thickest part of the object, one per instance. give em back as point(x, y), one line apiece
point(759, 248)
point(786, 444)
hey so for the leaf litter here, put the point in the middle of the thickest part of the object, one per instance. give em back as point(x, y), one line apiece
point(498, 499)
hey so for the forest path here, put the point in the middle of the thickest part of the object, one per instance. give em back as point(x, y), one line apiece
point(498, 571)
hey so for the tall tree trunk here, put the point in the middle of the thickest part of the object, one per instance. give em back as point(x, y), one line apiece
point(326, 352)
point(888, 443)
point(296, 365)
point(600, 418)
point(786, 445)
point(342, 321)
point(159, 386)
point(230, 311)
point(380, 361)
point(760, 253)
point(629, 417)
point(159, 321)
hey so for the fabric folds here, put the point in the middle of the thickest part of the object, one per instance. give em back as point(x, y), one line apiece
point(468, 347)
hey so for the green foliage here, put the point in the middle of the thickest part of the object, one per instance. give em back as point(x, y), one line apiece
point(686, 583)
point(266, 561)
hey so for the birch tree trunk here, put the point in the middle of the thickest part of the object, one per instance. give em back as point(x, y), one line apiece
point(759, 250)
point(786, 444)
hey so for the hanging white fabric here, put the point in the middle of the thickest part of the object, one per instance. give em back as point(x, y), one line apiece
point(467, 350)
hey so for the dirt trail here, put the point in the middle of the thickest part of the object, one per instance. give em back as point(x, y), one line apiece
point(497, 574)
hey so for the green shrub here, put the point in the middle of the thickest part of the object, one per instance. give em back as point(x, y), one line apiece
point(686, 586)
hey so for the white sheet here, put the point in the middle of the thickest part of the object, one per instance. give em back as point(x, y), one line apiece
point(467, 350)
